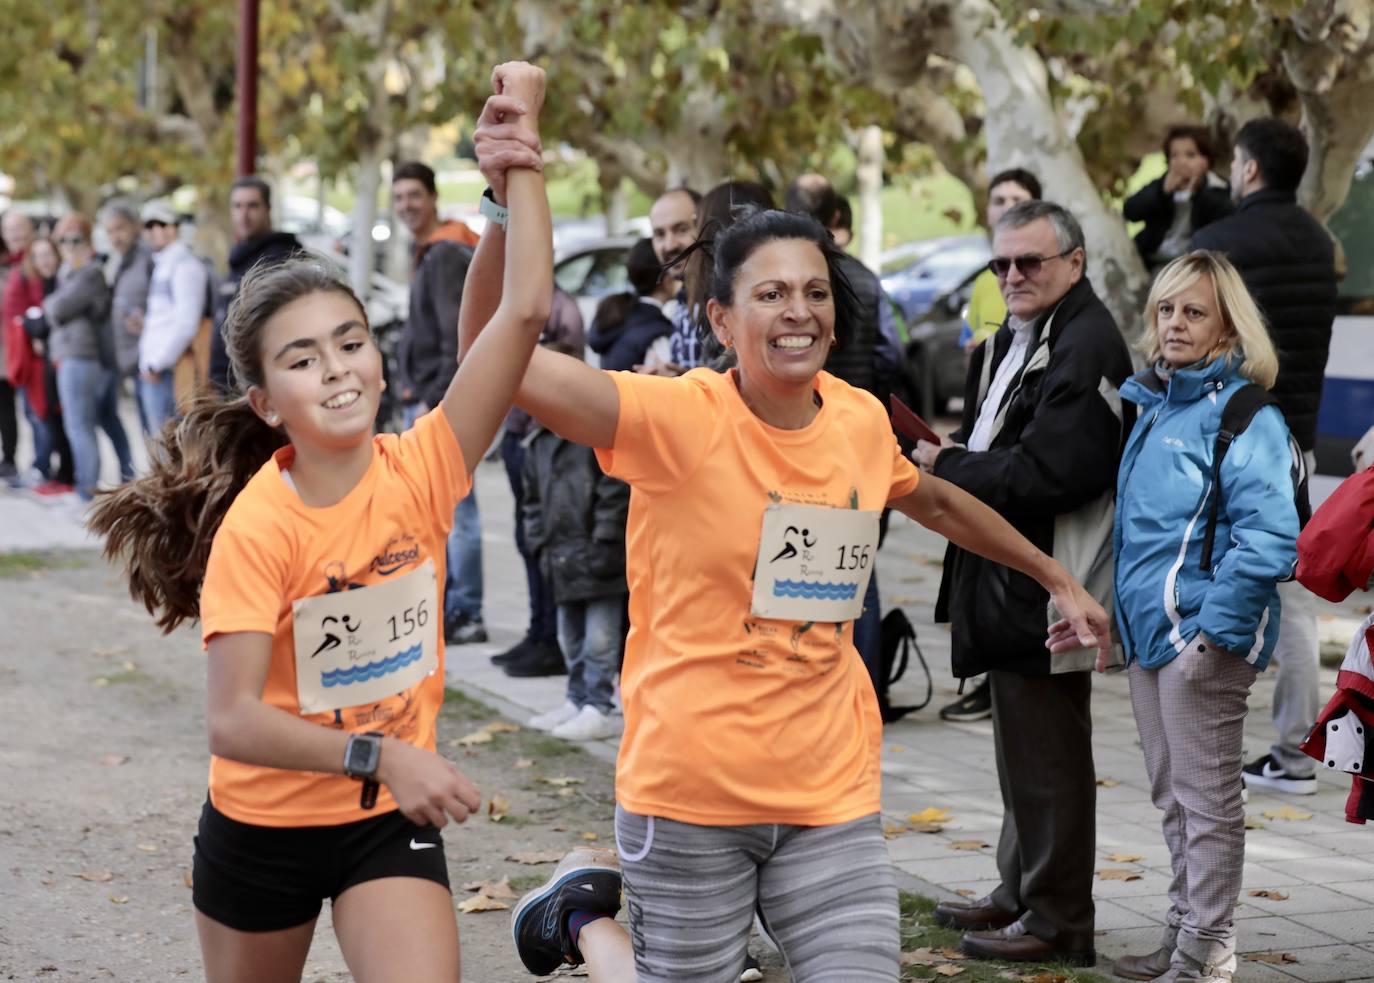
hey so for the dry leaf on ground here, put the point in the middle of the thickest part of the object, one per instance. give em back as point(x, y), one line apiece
point(590, 837)
point(524, 763)
point(497, 807)
point(965, 892)
point(924, 956)
point(98, 876)
point(1252, 823)
point(563, 782)
point(895, 829)
point(953, 954)
point(187, 880)
point(1287, 812)
point(113, 760)
point(925, 827)
point(945, 969)
point(501, 727)
point(492, 889)
point(480, 902)
point(1273, 958)
point(476, 737)
point(1117, 874)
point(1272, 895)
point(968, 845)
point(119, 898)
point(1125, 858)
point(537, 857)
point(895, 749)
point(1108, 782)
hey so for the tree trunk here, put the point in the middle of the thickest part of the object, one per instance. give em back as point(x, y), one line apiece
point(1024, 129)
point(366, 182)
point(870, 180)
point(615, 204)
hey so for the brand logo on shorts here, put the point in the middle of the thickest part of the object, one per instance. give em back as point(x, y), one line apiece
point(416, 845)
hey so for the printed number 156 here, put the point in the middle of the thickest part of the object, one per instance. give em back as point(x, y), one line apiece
point(411, 619)
point(852, 558)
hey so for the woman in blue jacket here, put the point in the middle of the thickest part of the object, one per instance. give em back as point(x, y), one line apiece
point(1195, 638)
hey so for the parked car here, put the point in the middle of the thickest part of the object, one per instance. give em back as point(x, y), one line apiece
point(593, 269)
point(914, 274)
point(935, 361)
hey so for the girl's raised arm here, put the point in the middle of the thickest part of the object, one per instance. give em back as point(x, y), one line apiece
point(568, 396)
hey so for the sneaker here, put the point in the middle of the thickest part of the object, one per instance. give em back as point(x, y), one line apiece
point(462, 629)
point(752, 970)
point(540, 659)
point(550, 719)
point(8, 471)
point(590, 724)
point(53, 487)
point(584, 880)
point(1265, 773)
point(513, 654)
point(973, 705)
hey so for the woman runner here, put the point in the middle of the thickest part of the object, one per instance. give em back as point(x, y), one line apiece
point(748, 774)
point(313, 553)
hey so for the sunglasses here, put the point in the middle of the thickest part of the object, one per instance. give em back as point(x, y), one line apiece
point(154, 224)
point(1028, 266)
point(70, 240)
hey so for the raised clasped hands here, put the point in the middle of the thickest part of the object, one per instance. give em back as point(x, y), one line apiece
point(507, 134)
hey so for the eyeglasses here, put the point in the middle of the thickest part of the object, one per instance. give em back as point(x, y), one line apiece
point(1028, 266)
point(154, 224)
point(70, 240)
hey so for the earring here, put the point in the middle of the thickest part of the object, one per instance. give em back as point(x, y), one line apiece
point(272, 420)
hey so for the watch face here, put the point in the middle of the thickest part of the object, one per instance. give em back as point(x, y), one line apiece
point(363, 752)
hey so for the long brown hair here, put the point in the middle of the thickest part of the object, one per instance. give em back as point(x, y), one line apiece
point(161, 525)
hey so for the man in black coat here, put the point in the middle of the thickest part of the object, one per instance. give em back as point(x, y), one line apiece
point(255, 241)
point(1287, 259)
point(1040, 441)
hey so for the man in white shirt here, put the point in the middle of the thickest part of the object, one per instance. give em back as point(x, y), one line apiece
point(177, 299)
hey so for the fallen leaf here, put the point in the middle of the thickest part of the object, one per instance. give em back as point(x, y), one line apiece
point(186, 879)
point(524, 763)
point(501, 727)
point(476, 737)
point(492, 889)
point(114, 760)
point(480, 902)
point(924, 956)
point(100, 681)
point(1252, 823)
point(497, 807)
point(128, 666)
point(895, 749)
point(927, 827)
point(1270, 894)
point(590, 837)
point(119, 898)
point(1108, 782)
point(537, 857)
point(1273, 958)
point(1287, 812)
point(148, 847)
point(968, 845)
point(954, 954)
point(98, 876)
point(931, 815)
point(945, 969)
point(895, 829)
point(1125, 858)
point(564, 781)
point(965, 892)
point(1117, 874)
point(567, 793)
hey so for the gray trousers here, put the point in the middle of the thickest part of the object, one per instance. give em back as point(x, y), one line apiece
point(1191, 713)
point(1296, 699)
point(1042, 731)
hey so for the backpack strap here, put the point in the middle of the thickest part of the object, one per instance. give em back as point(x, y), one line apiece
point(1236, 415)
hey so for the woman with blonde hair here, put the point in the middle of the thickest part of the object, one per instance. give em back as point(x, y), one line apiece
point(1204, 532)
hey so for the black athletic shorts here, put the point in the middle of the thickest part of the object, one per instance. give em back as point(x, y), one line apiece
point(266, 878)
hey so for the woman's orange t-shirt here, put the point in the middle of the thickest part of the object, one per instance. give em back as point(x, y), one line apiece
point(732, 719)
point(272, 549)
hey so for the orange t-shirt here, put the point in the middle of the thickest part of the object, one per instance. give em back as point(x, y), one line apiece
point(273, 549)
point(724, 724)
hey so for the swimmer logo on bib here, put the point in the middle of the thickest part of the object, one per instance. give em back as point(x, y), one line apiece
point(814, 562)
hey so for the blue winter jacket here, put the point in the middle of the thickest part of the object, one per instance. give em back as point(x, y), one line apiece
point(1163, 599)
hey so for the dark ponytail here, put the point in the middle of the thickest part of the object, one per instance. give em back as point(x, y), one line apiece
point(161, 525)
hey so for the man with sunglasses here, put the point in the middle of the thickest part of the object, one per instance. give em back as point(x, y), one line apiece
point(1040, 440)
point(177, 300)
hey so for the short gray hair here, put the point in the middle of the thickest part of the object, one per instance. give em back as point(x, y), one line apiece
point(122, 207)
point(1067, 232)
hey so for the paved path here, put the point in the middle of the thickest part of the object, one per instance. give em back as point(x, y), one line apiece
point(1321, 864)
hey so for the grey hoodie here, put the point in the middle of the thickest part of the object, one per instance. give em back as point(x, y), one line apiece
point(78, 311)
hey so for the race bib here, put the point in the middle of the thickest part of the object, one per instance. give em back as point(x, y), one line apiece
point(360, 646)
point(814, 563)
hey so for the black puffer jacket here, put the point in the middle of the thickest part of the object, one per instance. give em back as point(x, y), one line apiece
point(1287, 259)
point(624, 345)
point(1155, 207)
point(574, 519)
point(1056, 453)
point(271, 247)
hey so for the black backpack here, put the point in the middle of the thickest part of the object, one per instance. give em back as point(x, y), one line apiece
point(898, 642)
point(1236, 415)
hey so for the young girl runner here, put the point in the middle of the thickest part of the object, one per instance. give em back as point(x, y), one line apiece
point(313, 553)
point(748, 775)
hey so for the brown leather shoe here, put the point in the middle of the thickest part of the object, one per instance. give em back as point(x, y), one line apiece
point(1150, 967)
point(1015, 944)
point(972, 916)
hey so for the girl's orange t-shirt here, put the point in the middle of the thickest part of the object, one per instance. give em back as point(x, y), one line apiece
point(272, 549)
point(732, 719)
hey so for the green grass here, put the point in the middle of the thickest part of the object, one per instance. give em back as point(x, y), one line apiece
point(459, 702)
point(541, 746)
point(22, 563)
point(919, 930)
point(520, 883)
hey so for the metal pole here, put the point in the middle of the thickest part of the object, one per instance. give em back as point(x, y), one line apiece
point(247, 84)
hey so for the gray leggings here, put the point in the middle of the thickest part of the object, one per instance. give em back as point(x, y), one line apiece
point(827, 896)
